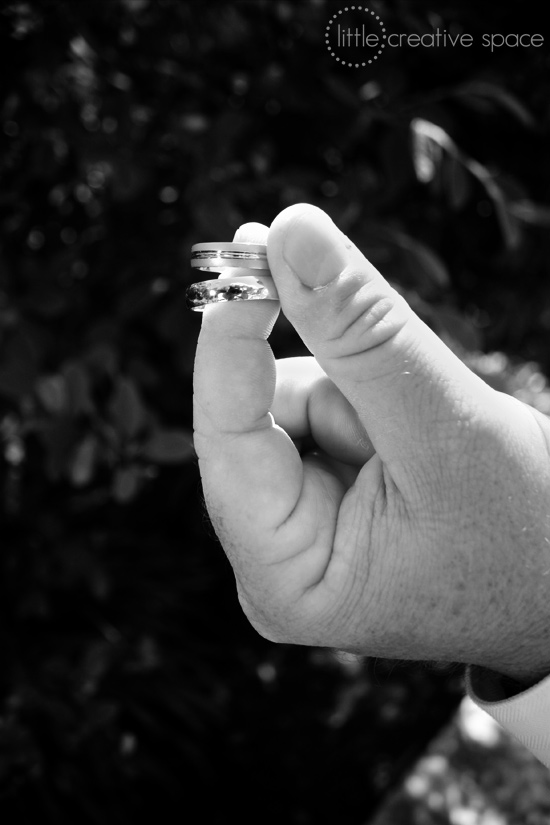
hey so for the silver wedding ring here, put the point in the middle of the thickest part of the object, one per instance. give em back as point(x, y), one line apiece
point(222, 256)
point(215, 256)
point(244, 288)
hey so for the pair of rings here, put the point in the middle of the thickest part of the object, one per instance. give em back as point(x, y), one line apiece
point(217, 257)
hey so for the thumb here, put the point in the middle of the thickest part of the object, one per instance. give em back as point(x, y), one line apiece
point(411, 393)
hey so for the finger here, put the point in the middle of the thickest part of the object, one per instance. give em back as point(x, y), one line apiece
point(235, 387)
point(308, 403)
point(411, 393)
point(265, 504)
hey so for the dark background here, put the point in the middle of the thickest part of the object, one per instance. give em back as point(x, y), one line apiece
point(130, 683)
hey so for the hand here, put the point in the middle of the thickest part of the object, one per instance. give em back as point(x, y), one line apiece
point(420, 527)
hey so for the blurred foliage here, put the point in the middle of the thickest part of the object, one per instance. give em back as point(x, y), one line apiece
point(130, 129)
point(473, 773)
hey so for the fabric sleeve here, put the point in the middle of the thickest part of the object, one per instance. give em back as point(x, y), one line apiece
point(526, 715)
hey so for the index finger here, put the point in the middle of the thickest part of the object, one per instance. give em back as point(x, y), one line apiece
point(251, 471)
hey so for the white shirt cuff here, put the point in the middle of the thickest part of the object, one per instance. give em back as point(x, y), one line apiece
point(526, 715)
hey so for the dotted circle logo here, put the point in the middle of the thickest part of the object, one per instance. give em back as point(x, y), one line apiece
point(355, 36)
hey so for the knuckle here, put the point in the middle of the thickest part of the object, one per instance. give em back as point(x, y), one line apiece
point(263, 617)
point(266, 631)
point(275, 619)
point(364, 315)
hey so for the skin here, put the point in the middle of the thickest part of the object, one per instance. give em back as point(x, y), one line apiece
point(419, 527)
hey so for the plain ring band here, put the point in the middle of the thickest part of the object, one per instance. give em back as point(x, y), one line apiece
point(215, 256)
point(230, 255)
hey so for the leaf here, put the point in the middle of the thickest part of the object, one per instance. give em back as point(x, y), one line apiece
point(508, 101)
point(58, 436)
point(426, 135)
point(429, 140)
point(78, 389)
point(52, 392)
point(529, 212)
point(168, 446)
point(509, 224)
point(430, 264)
point(126, 409)
point(457, 183)
point(83, 464)
point(426, 266)
point(126, 483)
